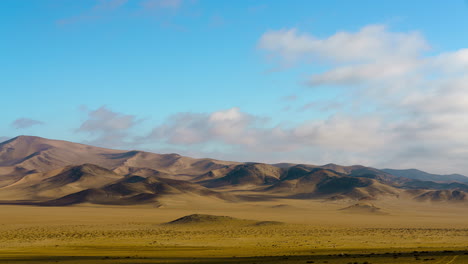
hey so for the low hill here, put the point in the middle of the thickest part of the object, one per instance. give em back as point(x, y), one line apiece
point(204, 219)
point(213, 220)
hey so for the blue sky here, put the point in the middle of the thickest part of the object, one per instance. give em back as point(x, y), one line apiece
point(379, 83)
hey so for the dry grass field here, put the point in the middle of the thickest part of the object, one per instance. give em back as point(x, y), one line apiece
point(283, 231)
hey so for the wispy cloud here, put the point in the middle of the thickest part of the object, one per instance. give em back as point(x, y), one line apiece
point(108, 5)
point(217, 21)
point(257, 8)
point(104, 8)
point(100, 9)
point(23, 123)
point(162, 4)
point(322, 106)
point(289, 98)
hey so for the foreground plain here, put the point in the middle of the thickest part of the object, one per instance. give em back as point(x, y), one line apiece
point(284, 231)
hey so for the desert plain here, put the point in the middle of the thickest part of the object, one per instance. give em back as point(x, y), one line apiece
point(283, 231)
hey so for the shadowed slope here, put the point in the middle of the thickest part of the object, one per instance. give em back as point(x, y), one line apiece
point(61, 182)
point(143, 172)
point(12, 174)
point(253, 174)
point(300, 183)
point(137, 190)
point(443, 196)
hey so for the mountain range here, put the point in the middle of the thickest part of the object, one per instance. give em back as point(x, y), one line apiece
point(45, 172)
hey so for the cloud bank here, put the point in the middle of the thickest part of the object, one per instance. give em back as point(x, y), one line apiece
point(416, 98)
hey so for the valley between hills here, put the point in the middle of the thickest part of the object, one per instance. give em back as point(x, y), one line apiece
point(74, 203)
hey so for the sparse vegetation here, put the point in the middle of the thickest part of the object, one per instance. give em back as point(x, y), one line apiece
point(211, 239)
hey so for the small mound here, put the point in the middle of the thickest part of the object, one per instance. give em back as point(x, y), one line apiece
point(363, 208)
point(204, 219)
point(282, 206)
point(268, 223)
point(216, 220)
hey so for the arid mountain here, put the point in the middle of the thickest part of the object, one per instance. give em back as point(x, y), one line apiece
point(35, 153)
point(40, 171)
point(424, 176)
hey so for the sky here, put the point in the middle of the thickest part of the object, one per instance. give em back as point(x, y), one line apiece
point(377, 83)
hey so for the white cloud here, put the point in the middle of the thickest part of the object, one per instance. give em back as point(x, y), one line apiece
point(372, 53)
point(370, 44)
point(229, 126)
point(451, 62)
